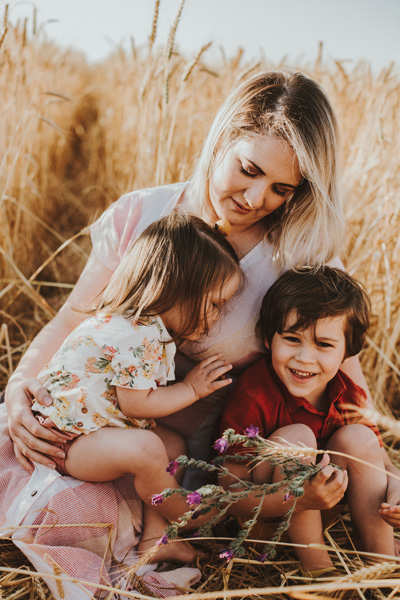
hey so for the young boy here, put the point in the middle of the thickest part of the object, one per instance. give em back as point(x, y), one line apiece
point(311, 322)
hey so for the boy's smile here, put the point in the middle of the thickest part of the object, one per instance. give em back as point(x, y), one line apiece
point(305, 361)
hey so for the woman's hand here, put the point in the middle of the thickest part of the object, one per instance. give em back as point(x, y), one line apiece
point(208, 376)
point(325, 489)
point(32, 442)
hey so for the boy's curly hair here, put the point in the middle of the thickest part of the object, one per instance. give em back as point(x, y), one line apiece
point(314, 294)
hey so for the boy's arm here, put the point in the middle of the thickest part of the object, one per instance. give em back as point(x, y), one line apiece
point(201, 381)
point(321, 492)
point(390, 510)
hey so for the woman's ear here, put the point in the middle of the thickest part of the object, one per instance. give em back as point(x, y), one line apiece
point(266, 343)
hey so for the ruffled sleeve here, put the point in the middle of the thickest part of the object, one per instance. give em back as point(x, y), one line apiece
point(141, 356)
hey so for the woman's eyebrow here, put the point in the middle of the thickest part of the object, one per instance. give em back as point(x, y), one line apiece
point(259, 169)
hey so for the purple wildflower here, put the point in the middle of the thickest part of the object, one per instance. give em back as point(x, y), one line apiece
point(252, 431)
point(157, 499)
point(173, 467)
point(221, 445)
point(193, 498)
point(227, 554)
point(287, 496)
point(162, 540)
point(262, 557)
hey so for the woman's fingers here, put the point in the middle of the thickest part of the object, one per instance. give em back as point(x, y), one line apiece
point(38, 392)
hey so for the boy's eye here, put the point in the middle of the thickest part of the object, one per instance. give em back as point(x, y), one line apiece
point(291, 338)
point(324, 345)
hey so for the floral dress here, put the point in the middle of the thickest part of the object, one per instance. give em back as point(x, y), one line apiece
point(105, 352)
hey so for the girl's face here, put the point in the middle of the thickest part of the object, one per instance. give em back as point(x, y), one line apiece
point(216, 299)
point(251, 178)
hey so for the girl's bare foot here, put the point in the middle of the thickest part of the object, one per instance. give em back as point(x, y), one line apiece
point(174, 551)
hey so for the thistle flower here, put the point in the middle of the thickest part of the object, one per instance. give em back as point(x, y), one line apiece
point(173, 467)
point(262, 558)
point(157, 499)
point(252, 431)
point(162, 540)
point(221, 445)
point(227, 554)
point(193, 498)
point(287, 496)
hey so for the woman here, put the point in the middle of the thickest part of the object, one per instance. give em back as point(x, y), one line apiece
point(269, 167)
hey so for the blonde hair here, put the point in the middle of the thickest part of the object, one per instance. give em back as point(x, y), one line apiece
point(308, 228)
point(176, 261)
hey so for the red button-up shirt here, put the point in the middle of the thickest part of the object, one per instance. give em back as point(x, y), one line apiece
point(259, 398)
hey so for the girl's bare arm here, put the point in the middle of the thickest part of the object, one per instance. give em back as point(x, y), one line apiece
point(200, 382)
point(31, 440)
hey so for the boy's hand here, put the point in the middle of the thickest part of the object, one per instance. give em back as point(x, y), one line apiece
point(204, 378)
point(325, 489)
point(390, 512)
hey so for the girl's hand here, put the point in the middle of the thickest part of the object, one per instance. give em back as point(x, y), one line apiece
point(391, 513)
point(25, 431)
point(208, 376)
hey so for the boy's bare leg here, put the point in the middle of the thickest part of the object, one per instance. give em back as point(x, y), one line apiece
point(306, 526)
point(367, 486)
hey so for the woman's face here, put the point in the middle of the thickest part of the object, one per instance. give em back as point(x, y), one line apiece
point(251, 178)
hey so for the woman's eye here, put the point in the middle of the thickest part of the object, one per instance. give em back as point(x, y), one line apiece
point(278, 192)
point(246, 172)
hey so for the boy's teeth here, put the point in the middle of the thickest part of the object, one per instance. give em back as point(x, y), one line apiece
point(302, 373)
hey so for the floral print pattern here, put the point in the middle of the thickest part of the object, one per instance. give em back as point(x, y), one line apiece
point(105, 352)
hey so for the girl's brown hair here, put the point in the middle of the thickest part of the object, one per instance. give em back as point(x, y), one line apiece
point(314, 294)
point(176, 261)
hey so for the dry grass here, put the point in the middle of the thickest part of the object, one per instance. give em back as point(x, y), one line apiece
point(74, 137)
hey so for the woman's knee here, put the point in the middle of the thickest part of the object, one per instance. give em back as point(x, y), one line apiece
point(296, 433)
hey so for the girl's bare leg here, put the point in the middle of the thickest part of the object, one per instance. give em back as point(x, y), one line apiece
point(367, 486)
point(111, 452)
point(153, 523)
point(306, 526)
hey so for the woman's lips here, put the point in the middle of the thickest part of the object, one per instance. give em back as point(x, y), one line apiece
point(239, 208)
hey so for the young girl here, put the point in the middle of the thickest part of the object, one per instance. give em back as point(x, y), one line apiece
point(109, 379)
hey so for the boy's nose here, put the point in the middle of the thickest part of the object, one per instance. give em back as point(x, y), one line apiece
point(305, 355)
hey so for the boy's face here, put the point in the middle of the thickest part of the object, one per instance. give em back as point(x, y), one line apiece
point(305, 362)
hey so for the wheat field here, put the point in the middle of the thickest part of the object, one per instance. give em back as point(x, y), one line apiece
point(74, 137)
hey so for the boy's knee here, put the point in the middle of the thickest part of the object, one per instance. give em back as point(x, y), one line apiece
point(297, 433)
point(355, 439)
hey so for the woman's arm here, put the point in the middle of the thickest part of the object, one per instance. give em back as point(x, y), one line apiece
point(352, 368)
point(31, 439)
point(200, 382)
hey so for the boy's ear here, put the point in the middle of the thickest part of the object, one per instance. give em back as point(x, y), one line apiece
point(266, 343)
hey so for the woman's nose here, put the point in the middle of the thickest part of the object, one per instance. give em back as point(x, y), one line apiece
point(255, 194)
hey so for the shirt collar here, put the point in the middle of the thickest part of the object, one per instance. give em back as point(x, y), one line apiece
point(335, 390)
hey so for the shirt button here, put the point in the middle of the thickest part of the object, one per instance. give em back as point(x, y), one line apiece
point(33, 492)
point(80, 424)
point(84, 410)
